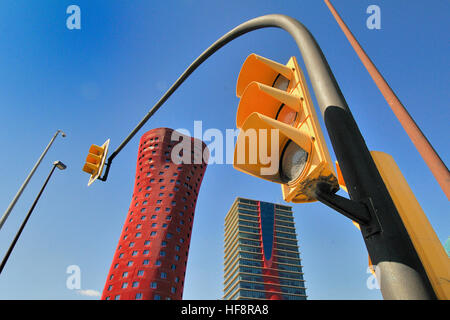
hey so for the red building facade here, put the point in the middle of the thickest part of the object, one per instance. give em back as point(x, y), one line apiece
point(151, 256)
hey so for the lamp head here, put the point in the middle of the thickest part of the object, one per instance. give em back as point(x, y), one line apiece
point(60, 165)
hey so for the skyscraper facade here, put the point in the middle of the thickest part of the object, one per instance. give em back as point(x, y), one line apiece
point(262, 259)
point(151, 256)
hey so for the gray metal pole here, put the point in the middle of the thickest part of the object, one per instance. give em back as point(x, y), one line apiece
point(19, 193)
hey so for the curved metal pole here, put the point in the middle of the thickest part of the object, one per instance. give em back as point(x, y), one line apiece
point(390, 248)
point(325, 86)
point(19, 193)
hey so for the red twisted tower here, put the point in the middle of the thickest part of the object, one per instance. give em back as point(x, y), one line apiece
point(151, 256)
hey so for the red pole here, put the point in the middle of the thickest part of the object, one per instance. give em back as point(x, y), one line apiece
point(426, 150)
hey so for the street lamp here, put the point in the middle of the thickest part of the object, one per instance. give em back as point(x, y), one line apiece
point(56, 164)
point(18, 194)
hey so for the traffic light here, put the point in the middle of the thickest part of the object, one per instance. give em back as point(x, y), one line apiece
point(95, 161)
point(280, 138)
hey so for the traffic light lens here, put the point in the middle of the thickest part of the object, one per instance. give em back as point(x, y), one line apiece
point(293, 161)
point(286, 115)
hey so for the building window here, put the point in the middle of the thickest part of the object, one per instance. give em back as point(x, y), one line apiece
point(145, 262)
point(153, 233)
point(168, 218)
point(153, 285)
point(124, 285)
point(120, 255)
point(163, 243)
point(134, 253)
point(135, 284)
point(138, 296)
point(164, 225)
point(145, 252)
point(158, 262)
point(138, 226)
point(110, 288)
point(158, 201)
point(173, 267)
point(162, 253)
point(130, 263)
point(140, 273)
point(147, 242)
point(117, 297)
point(157, 297)
point(125, 274)
point(131, 244)
point(173, 290)
point(163, 275)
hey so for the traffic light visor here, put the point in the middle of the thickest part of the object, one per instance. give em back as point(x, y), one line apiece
point(265, 146)
point(269, 101)
point(262, 70)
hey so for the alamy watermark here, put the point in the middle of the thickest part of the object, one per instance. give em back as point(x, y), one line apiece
point(254, 147)
point(73, 282)
point(74, 20)
point(373, 281)
point(374, 20)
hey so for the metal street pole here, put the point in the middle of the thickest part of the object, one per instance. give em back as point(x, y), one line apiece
point(19, 193)
point(401, 273)
point(426, 150)
point(56, 164)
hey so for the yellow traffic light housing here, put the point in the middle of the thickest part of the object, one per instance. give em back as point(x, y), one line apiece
point(95, 161)
point(279, 124)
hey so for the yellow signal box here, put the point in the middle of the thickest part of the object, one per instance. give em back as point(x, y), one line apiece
point(425, 241)
point(280, 138)
point(95, 161)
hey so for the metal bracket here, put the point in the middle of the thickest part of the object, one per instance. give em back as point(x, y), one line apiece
point(354, 210)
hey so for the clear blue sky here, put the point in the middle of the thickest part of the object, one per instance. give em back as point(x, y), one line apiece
point(98, 82)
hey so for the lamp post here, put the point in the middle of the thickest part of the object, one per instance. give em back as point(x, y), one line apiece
point(18, 194)
point(56, 164)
